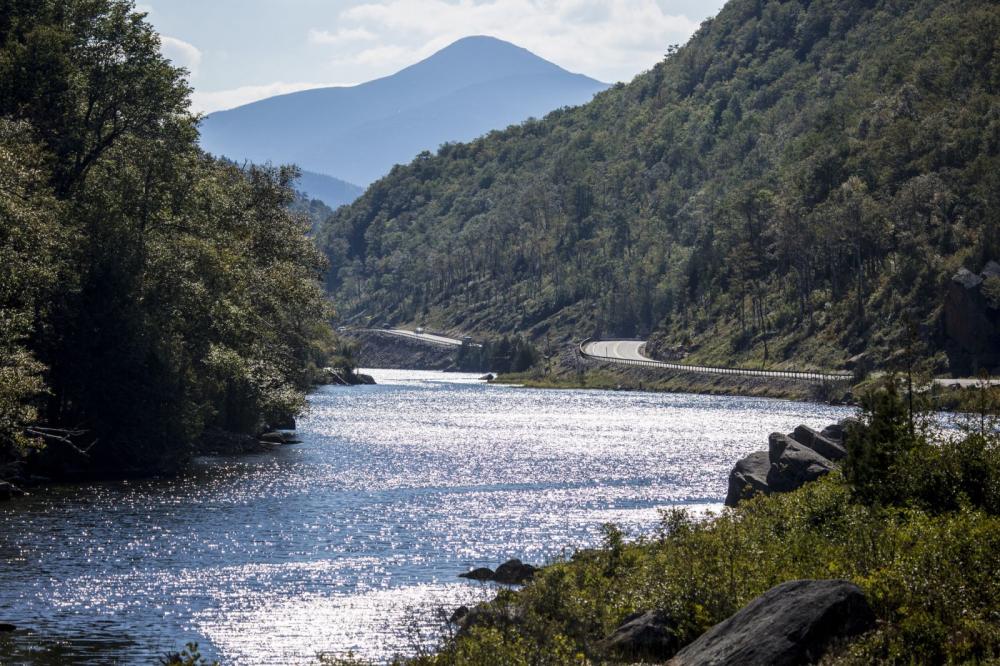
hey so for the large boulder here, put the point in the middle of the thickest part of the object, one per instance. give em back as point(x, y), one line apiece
point(818, 442)
point(644, 635)
point(748, 478)
point(514, 572)
point(796, 466)
point(794, 623)
point(972, 321)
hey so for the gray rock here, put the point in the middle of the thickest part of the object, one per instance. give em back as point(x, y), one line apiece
point(480, 573)
point(793, 623)
point(514, 572)
point(272, 438)
point(971, 323)
point(776, 445)
point(367, 380)
point(748, 478)
point(834, 432)
point(967, 279)
point(458, 615)
point(796, 466)
point(822, 445)
point(487, 377)
point(644, 635)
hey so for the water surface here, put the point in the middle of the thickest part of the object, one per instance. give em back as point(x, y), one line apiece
point(352, 540)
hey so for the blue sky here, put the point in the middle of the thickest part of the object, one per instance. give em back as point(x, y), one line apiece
point(242, 50)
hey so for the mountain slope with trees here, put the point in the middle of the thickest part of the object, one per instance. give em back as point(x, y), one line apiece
point(148, 292)
point(795, 186)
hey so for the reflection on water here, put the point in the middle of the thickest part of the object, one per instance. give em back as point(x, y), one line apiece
point(352, 540)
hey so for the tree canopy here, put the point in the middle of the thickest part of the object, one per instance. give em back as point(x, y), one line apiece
point(148, 291)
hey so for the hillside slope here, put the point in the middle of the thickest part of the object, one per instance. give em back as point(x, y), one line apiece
point(358, 133)
point(794, 186)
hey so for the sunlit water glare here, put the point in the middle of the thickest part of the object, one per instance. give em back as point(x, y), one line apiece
point(353, 539)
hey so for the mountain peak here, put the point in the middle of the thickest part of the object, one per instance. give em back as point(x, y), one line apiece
point(474, 85)
point(480, 58)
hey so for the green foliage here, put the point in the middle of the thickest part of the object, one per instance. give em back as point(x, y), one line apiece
point(787, 188)
point(189, 656)
point(931, 579)
point(148, 291)
point(915, 521)
point(29, 269)
point(893, 459)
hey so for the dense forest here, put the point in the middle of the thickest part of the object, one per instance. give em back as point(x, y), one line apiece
point(148, 292)
point(795, 186)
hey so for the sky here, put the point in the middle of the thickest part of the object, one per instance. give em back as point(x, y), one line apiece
point(239, 51)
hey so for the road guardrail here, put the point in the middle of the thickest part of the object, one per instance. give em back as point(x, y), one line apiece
point(710, 370)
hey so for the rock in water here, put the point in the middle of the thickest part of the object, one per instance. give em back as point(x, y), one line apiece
point(7, 628)
point(644, 635)
point(793, 623)
point(514, 572)
point(481, 573)
point(818, 442)
point(796, 466)
point(748, 478)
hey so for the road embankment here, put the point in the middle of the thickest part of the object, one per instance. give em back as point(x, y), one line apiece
point(378, 349)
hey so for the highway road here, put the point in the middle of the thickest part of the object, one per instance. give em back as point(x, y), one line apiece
point(429, 338)
point(631, 352)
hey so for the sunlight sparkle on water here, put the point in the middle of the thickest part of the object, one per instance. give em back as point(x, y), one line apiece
point(353, 539)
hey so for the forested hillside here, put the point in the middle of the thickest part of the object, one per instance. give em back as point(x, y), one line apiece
point(147, 291)
point(794, 186)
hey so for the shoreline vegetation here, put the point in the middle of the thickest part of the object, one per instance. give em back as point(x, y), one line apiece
point(908, 523)
point(150, 294)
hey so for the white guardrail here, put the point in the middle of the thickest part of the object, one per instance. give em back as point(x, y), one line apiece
point(709, 370)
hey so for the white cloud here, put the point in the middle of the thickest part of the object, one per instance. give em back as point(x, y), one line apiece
point(609, 39)
point(208, 102)
point(343, 36)
point(181, 53)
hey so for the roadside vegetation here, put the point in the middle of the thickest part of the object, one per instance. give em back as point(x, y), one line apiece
point(148, 292)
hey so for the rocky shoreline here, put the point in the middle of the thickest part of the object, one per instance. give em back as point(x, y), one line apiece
point(794, 622)
point(789, 462)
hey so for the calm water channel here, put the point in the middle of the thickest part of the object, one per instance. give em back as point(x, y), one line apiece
point(352, 540)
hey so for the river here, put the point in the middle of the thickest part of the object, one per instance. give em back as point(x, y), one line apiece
point(352, 540)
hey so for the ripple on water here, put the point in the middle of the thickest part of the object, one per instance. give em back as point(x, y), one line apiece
point(352, 539)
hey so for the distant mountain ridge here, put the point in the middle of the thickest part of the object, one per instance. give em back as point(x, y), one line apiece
point(358, 133)
point(331, 191)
